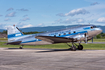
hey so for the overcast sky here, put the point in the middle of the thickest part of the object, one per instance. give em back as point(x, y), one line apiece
point(30, 13)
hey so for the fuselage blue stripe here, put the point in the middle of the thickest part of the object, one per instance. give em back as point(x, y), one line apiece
point(14, 35)
point(31, 41)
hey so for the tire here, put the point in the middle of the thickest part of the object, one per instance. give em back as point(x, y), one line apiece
point(20, 48)
point(80, 47)
point(73, 48)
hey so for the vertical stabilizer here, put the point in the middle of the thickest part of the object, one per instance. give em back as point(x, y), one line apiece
point(13, 32)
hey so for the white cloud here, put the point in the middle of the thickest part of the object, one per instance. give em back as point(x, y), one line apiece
point(68, 21)
point(5, 27)
point(58, 20)
point(29, 25)
point(26, 18)
point(7, 19)
point(60, 14)
point(76, 20)
point(2, 25)
point(101, 20)
point(40, 25)
point(77, 12)
point(80, 21)
point(74, 12)
point(95, 3)
point(11, 14)
point(10, 9)
point(23, 9)
point(25, 15)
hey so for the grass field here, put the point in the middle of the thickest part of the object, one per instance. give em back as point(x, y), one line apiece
point(56, 46)
point(98, 40)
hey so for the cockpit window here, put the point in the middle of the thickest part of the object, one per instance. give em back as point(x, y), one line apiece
point(93, 27)
point(74, 32)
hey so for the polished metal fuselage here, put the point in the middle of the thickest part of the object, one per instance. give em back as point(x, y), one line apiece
point(74, 34)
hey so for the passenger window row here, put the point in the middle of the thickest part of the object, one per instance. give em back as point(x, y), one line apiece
point(65, 33)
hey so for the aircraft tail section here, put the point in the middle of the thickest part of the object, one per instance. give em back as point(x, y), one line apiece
point(13, 32)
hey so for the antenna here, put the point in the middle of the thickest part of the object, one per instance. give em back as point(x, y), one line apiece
point(14, 25)
point(20, 30)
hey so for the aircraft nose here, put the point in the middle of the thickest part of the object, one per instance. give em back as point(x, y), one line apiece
point(99, 30)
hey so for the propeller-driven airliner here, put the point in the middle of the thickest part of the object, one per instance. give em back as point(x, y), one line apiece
point(72, 35)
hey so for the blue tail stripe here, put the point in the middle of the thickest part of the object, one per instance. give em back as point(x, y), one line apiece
point(15, 35)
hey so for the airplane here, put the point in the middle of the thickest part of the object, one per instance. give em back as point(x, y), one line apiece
point(72, 35)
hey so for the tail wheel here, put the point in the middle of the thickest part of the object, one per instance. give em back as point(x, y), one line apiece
point(80, 47)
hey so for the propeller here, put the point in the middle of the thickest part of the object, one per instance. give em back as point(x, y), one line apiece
point(85, 38)
point(92, 39)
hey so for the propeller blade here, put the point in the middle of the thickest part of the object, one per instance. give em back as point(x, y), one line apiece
point(92, 39)
point(85, 38)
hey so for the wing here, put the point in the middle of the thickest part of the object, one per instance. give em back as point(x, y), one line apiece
point(55, 39)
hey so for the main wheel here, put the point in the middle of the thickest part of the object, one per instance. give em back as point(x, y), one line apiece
point(20, 47)
point(73, 48)
point(80, 47)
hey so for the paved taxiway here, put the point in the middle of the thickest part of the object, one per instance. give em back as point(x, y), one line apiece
point(47, 59)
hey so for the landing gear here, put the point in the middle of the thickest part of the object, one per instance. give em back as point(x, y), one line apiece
point(21, 47)
point(80, 47)
point(73, 47)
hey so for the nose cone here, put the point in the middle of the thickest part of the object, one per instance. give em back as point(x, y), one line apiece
point(99, 30)
point(94, 32)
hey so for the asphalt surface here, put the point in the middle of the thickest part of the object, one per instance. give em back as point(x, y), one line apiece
point(55, 59)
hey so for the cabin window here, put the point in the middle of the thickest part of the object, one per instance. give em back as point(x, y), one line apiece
point(64, 33)
point(59, 34)
point(69, 33)
point(74, 32)
point(54, 35)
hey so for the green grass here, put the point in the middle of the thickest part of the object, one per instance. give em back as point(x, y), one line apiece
point(56, 46)
point(98, 40)
point(3, 39)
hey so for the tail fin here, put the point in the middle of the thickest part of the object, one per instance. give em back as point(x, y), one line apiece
point(13, 32)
